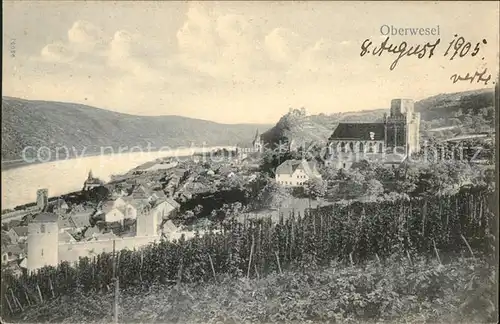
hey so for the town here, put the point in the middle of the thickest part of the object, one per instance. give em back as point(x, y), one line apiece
point(229, 162)
point(168, 199)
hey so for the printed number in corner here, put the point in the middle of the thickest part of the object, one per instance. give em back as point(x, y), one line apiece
point(13, 47)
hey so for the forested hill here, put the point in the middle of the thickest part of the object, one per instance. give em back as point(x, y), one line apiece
point(469, 111)
point(52, 124)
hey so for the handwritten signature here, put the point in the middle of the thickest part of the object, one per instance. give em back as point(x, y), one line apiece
point(478, 76)
point(402, 50)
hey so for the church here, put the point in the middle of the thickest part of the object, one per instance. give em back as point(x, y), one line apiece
point(390, 141)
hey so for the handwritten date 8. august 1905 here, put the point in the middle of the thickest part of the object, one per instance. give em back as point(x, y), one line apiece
point(458, 47)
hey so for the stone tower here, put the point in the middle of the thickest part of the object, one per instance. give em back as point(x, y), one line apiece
point(147, 224)
point(43, 241)
point(42, 199)
point(402, 127)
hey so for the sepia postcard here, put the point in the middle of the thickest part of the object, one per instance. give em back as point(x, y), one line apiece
point(249, 162)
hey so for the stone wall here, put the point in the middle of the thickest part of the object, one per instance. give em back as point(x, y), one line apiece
point(71, 252)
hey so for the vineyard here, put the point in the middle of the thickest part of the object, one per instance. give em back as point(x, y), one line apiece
point(439, 228)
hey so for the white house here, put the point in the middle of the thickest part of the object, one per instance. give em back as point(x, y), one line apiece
point(119, 202)
point(118, 209)
point(164, 208)
point(130, 211)
point(18, 234)
point(113, 215)
point(293, 173)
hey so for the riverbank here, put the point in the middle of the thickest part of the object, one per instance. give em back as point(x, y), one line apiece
point(14, 164)
point(20, 183)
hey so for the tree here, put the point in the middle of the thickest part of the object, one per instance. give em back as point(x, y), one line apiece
point(273, 195)
point(316, 188)
point(198, 210)
point(349, 184)
point(328, 173)
point(406, 178)
point(468, 120)
point(374, 188)
point(98, 194)
point(188, 215)
point(433, 179)
point(6, 240)
point(253, 189)
point(455, 121)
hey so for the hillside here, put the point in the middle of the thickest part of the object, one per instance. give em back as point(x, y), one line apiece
point(314, 128)
point(55, 124)
point(451, 104)
point(471, 110)
point(394, 292)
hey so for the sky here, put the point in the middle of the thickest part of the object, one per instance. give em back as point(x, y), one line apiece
point(237, 62)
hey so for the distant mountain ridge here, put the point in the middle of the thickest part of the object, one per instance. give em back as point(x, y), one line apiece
point(439, 110)
point(51, 124)
point(56, 124)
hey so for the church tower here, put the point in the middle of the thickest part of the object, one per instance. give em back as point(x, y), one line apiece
point(402, 127)
point(42, 199)
point(257, 142)
point(43, 241)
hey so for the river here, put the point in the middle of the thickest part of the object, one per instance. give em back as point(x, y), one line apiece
point(19, 185)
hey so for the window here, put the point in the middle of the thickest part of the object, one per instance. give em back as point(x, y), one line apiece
point(42, 228)
point(42, 252)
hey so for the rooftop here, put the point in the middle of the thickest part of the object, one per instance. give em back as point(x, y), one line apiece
point(94, 181)
point(91, 232)
point(170, 201)
point(14, 249)
point(66, 237)
point(81, 219)
point(20, 230)
point(65, 222)
point(289, 167)
point(45, 218)
point(359, 131)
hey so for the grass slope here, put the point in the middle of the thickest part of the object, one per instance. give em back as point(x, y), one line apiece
point(53, 124)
